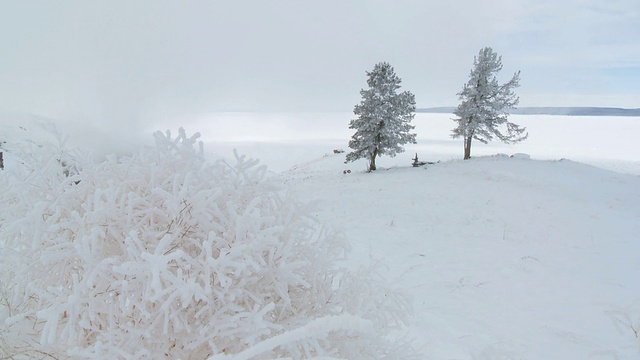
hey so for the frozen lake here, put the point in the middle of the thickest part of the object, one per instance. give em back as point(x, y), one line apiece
point(282, 140)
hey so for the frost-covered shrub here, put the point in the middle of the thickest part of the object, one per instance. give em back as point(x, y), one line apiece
point(164, 255)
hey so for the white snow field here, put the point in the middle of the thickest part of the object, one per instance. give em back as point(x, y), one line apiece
point(501, 257)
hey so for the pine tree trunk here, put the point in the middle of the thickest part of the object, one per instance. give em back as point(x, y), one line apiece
point(1, 161)
point(467, 147)
point(372, 160)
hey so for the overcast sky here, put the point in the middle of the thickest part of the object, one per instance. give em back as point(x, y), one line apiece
point(127, 61)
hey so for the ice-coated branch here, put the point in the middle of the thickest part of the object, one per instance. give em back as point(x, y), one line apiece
point(318, 329)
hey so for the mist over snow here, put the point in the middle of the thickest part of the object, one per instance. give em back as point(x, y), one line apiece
point(124, 64)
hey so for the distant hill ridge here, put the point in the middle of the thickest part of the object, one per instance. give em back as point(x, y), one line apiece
point(570, 111)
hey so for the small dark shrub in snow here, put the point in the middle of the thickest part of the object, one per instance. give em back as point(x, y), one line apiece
point(416, 162)
point(163, 255)
point(521, 156)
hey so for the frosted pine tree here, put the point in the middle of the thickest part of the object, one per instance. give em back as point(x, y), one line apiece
point(384, 117)
point(485, 104)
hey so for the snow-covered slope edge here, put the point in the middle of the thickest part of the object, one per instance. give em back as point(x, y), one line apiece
point(505, 258)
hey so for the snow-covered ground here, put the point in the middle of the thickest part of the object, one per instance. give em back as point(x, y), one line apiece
point(502, 258)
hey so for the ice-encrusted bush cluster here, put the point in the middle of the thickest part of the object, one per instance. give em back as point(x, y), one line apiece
point(165, 255)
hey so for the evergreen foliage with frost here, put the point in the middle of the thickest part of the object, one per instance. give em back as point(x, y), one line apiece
point(165, 255)
point(485, 104)
point(384, 117)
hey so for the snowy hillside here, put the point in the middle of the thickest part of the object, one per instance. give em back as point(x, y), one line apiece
point(503, 258)
point(500, 257)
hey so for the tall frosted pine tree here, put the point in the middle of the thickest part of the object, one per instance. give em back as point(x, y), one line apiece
point(485, 104)
point(384, 117)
